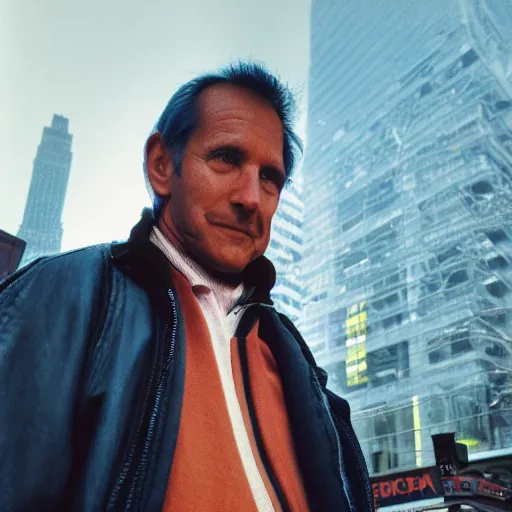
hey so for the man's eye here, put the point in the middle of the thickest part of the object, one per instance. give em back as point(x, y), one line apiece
point(273, 177)
point(227, 158)
point(267, 176)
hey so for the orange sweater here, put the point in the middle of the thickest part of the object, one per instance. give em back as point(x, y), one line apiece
point(207, 472)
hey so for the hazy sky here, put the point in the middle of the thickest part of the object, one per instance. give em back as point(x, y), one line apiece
point(110, 66)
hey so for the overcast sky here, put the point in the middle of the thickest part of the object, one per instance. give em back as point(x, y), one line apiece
point(110, 66)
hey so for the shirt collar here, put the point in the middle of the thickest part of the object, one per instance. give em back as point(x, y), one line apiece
point(198, 278)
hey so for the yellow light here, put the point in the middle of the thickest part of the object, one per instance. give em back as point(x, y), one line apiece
point(417, 428)
point(355, 330)
point(470, 443)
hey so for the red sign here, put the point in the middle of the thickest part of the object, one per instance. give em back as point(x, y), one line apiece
point(413, 486)
point(492, 490)
point(472, 486)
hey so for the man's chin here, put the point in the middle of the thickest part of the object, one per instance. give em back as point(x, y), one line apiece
point(227, 267)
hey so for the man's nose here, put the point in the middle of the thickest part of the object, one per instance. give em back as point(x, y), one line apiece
point(247, 193)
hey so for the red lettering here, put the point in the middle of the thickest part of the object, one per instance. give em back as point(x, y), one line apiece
point(413, 484)
point(385, 489)
point(427, 480)
point(375, 488)
point(400, 487)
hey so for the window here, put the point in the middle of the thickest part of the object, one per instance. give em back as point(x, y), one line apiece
point(470, 57)
point(461, 346)
point(456, 278)
point(425, 89)
point(497, 236)
point(388, 364)
point(496, 287)
point(497, 262)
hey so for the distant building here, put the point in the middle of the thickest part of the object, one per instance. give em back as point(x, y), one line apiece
point(285, 252)
point(42, 225)
point(11, 251)
point(408, 234)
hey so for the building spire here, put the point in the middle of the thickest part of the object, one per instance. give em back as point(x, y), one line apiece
point(41, 227)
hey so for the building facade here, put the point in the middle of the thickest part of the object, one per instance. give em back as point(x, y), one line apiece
point(408, 228)
point(41, 227)
point(11, 252)
point(285, 252)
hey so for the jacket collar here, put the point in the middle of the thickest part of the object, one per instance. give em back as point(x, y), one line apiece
point(259, 276)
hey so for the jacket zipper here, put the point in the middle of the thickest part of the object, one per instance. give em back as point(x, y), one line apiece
point(360, 459)
point(354, 444)
point(169, 347)
point(345, 484)
point(138, 483)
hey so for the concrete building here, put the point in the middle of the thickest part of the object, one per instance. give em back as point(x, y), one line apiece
point(285, 252)
point(408, 228)
point(41, 227)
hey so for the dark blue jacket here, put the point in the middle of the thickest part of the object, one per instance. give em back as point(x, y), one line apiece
point(91, 384)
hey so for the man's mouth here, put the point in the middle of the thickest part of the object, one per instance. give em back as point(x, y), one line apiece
point(238, 229)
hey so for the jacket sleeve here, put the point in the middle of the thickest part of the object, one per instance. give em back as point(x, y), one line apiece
point(49, 314)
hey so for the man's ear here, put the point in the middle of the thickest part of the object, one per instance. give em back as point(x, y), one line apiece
point(158, 165)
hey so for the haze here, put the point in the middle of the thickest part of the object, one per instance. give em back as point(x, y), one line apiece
point(110, 67)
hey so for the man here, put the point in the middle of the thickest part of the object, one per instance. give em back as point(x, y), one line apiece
point(155, 374)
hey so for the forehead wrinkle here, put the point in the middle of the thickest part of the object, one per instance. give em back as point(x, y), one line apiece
point(240, 118)
point(249, 128)
point(245, 134)
point(222, 114)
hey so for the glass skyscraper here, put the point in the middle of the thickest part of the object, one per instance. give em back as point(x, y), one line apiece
point(408, 230)
point(41, 227)
point(285, 252)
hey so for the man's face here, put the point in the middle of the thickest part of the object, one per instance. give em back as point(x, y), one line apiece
point(221, 206)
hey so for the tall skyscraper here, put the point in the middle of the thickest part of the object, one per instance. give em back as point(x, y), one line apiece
point(285, 252)
point(41, 227)
point(408, 229)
